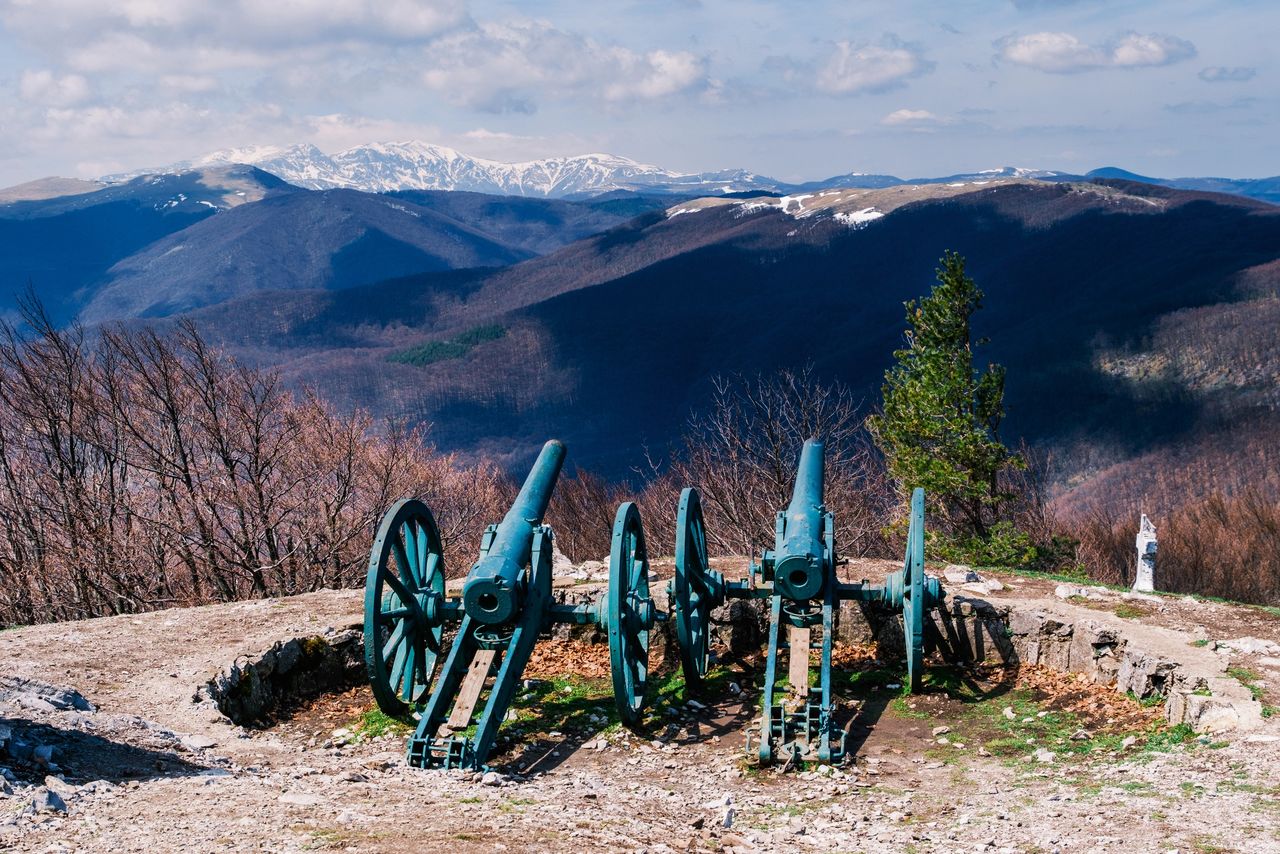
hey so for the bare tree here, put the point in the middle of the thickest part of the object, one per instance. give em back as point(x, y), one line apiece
point(142, 470)
point(741, 453)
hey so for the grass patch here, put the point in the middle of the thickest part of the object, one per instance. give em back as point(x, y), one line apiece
point(1247, 678)
point(566, 704)
point(1077, 575)
point(1130, 612)
point(1202, 642)
point(452, 348)
point(1015, 738)
point(375, 723)
point(1147, 702)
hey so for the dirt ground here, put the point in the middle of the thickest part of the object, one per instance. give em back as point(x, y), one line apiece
point(983, 760)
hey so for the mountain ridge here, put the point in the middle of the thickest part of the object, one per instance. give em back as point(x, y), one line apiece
point(382, 167)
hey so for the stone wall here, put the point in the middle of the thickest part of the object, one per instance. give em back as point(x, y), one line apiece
point(1139, 660)
point(252, 690)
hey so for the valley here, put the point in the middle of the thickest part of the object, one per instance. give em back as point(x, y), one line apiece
point(1136, 318)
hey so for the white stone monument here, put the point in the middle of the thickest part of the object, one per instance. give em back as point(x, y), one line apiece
point(1145, 579)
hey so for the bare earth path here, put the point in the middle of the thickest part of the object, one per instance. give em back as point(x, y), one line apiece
point(150, 770)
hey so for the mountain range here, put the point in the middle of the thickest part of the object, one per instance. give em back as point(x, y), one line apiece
point(382, 167)
point(1078, 277)
point(1135, 316)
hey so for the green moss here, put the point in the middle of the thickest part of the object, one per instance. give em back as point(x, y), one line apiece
point(314, 647)
point(1202, 642)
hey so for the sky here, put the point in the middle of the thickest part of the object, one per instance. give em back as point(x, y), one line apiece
point(794, 90)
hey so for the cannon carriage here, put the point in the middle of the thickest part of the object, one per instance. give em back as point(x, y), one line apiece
point(798, 581)
point(506, 604)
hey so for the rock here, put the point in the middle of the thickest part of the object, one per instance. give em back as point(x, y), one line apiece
point(959, 574)
point(19, 749)
point(1252, 646)
point(43, 754)
point(59, 786)
point(67, 698)
point(1044, 756)
point(1067, 591)
point(491, 778)
point(735, 688)
point(941, 730)
point(1129, 741)
point(301, 799)
point(1009, 712)
point(46, 801)
point(726, 819)
point(198, 742)
point(1081, 735)
point(36, 704)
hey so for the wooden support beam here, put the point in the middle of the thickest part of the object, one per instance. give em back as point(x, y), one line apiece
point(469, 693)
point(798, 662)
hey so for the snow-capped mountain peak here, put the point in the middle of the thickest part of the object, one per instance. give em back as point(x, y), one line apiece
point(417, 165)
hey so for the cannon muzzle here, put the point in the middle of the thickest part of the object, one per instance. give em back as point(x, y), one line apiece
point(798, 571)
point(494, 588)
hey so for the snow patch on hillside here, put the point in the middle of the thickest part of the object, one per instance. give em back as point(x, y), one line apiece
point(857, 219)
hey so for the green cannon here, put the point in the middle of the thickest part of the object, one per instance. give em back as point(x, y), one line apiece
point(506, 604)
point(798, 580)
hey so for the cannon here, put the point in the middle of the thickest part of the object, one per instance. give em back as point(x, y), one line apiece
point(798, 580)
point(506, 603)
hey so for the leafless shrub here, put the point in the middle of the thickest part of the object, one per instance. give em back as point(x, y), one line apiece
point(742, 450)
point(582, 511)
point(1216, 545)
point(142, 470)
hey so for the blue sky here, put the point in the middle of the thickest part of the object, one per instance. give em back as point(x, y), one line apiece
point(795, 90)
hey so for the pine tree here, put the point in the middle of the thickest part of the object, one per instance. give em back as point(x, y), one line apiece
point(939, 427)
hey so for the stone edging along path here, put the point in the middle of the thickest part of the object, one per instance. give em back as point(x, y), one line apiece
point(1144, 660)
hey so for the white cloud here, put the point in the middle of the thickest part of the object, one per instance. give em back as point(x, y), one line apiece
point(851, 68)
point(500, 67)
point(1220, 74)
point(232, 27)
point(909, 117)
point(1063, 53)
point(48, 89)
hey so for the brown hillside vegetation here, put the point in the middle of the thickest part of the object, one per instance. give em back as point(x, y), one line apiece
point(142, 471)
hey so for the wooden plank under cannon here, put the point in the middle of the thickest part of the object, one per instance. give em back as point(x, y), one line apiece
point(472, 685)
point(798, 661)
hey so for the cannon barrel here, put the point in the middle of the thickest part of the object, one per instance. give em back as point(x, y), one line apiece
point(494, 590)
point(799, 573)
